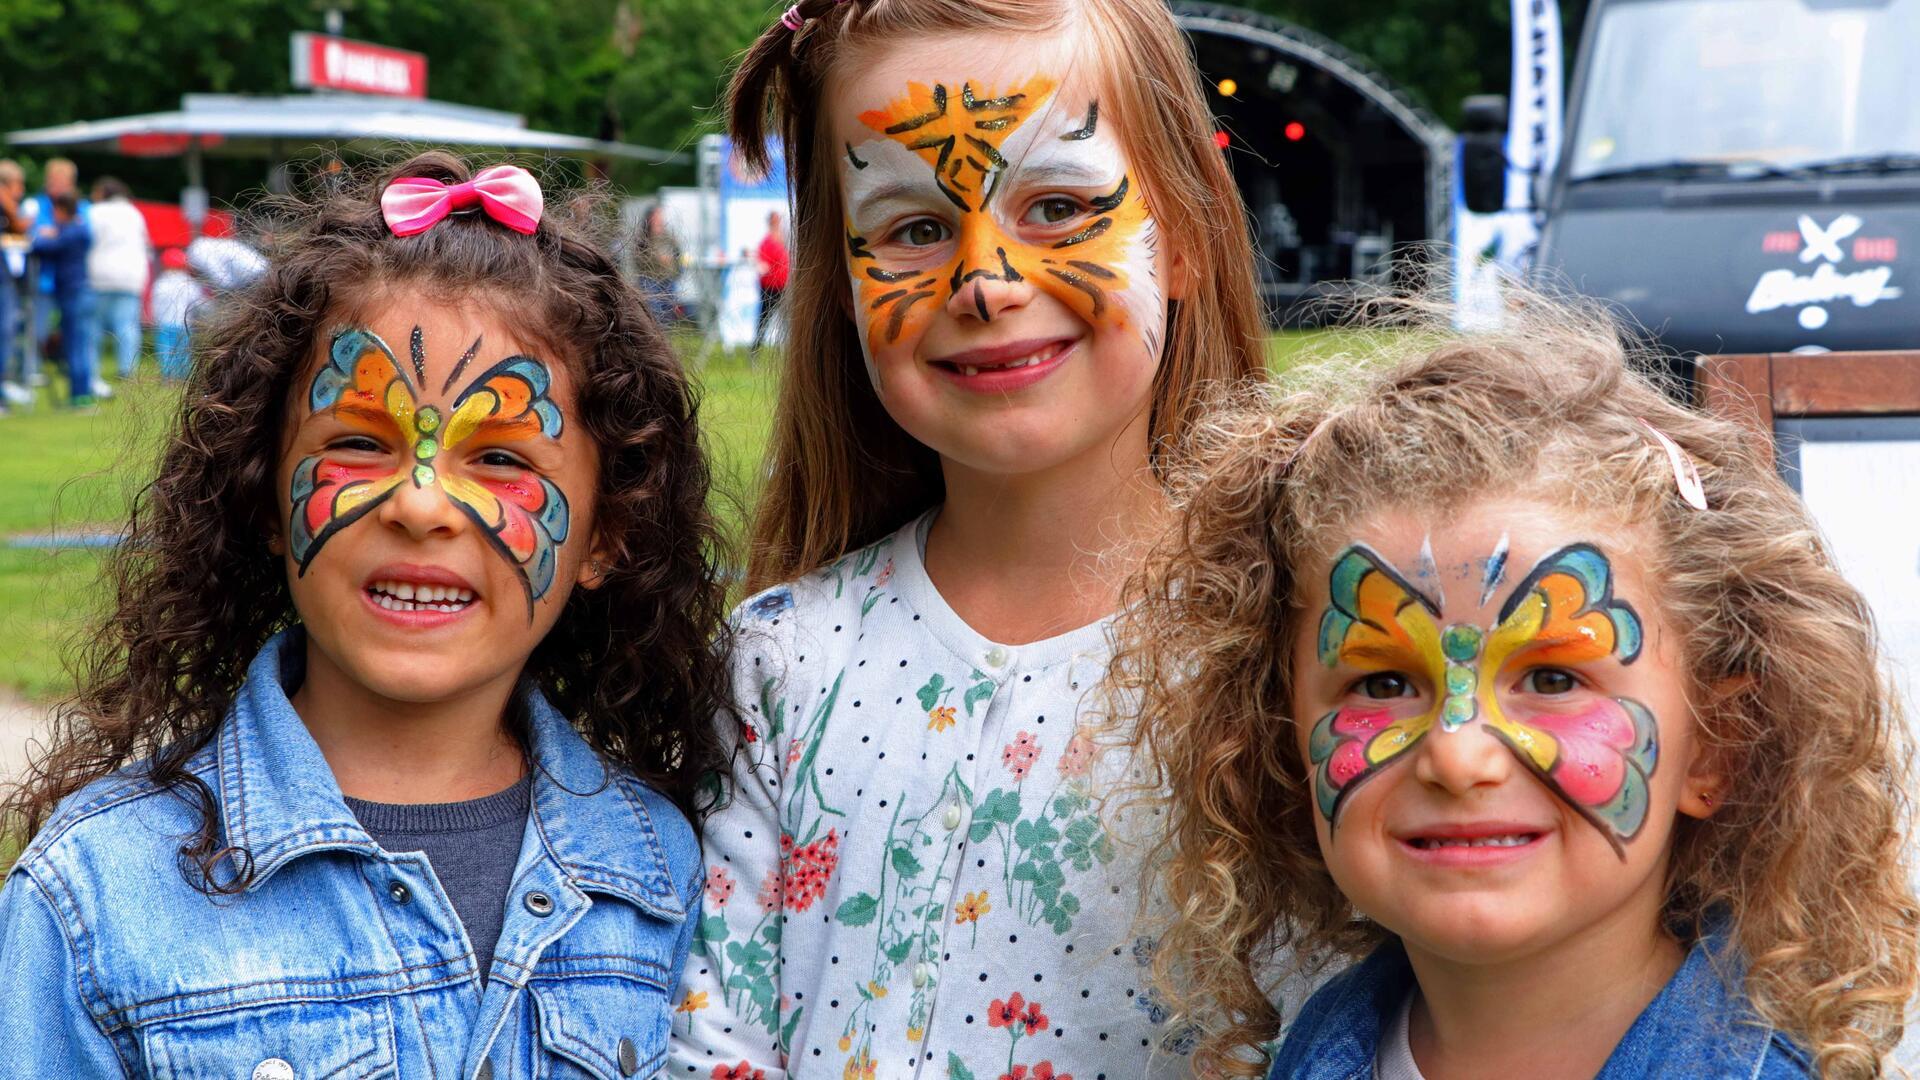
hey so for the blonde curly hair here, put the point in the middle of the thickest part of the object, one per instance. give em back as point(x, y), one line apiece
point(1805, 858)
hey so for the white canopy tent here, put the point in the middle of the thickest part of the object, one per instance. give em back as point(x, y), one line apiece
point(240, 125)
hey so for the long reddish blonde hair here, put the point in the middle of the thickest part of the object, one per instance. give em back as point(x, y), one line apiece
point(840, 473)
point(1806, 857)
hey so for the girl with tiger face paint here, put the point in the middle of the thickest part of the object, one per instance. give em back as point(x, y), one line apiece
point(1018, 259)
point(1007, 278)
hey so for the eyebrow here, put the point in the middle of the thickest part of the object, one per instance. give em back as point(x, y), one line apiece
point(514, 430)
point(373, 414)
point(1385, 654)
point(1061, 171)
point(914, 191)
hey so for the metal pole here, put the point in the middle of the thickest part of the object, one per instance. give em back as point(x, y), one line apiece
point(196, 184)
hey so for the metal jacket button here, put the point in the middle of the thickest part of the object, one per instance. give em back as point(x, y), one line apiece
point(400, 894)
point(629, 1058)
point(540, 904)
point(996, 656)
point(953, 816)
point(273, 1069)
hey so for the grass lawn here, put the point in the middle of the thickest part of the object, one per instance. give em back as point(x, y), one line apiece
point(66, 475)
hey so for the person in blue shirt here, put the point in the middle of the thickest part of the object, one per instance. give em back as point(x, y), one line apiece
point(1489, 663)
point(384, 757)
point(62, 247)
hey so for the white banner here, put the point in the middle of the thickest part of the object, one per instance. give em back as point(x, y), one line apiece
point(1534, 109)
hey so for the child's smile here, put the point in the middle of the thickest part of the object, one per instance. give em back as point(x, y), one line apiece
point(433, 485)
point(1006, 271)
point(1496, 735)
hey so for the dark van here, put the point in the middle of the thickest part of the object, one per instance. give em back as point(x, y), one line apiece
point(1744, 175)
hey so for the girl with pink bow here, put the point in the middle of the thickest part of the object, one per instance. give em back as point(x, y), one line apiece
point(384, 756)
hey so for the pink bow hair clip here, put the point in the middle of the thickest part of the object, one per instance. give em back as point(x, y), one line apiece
point(506, 193)
point(1685, 476)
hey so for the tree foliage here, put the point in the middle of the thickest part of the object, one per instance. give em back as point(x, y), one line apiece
point(641, 71)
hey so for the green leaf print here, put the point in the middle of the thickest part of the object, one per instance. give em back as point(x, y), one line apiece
point(904, 863)
point(748, 954)
point(898, 951)
point(929, 694)
point(713, 930)
point(867, 557)
point(859, 910)
point(771, 932)
point(976, 693)
point(1032, 834)
point(1070, 802)
point(786, 1033)
point(1086, 842)
point(1000, 806)
point(957, 1069)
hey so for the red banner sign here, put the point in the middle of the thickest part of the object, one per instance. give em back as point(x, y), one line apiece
point(323, 62)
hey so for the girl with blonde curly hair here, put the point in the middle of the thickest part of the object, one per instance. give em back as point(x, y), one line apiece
point(1491, 664)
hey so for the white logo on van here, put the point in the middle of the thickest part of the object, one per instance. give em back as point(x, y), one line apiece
point(1811, 292)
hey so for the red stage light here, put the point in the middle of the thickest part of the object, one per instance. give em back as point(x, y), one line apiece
point(1220, 139)
point(1294, 131)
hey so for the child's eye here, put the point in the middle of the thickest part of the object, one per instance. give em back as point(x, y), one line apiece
point(1383, 685)
point(359, 444)
point(1052, 210)
point(922, 232)
point(500, 459)
point(1549, 681)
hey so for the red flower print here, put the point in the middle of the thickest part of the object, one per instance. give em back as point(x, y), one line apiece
point(1019, 1073)
point(1018, 756)
point(806, 868)
point(1035, 1019)
point(742, 1071)
point(1006, 1013)
point(1044, 1071)
point(719, 886)
point(769, 896)
point(748, 732)
point(1077, 758)
point(885, 575)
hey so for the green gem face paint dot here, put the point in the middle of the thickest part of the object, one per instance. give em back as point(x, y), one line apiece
point(422, 476)
point(1460, 680)
point(1460, 642)
point(425, 449)
point(428, 419)
point(1457, 712)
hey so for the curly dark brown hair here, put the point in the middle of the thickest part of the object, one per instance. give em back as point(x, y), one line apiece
point(638, 663)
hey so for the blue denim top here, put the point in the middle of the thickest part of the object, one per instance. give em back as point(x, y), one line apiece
point(1696, 1028)
point(340, 958)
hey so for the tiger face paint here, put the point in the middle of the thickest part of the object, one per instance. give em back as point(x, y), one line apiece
point(967, 194)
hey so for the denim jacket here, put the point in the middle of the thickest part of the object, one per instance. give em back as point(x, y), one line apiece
point(1696, 1028)
point(341, 960)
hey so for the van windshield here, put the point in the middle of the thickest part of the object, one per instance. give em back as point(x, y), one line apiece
point(1749, 85)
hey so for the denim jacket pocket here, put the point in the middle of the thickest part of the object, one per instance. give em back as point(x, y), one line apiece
point(306, 1040)
point(607, 1024)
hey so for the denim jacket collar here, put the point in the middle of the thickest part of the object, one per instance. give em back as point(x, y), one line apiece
point(1695, 1019)
point(279, 800)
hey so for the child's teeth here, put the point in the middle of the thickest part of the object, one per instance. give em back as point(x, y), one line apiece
point(1479, 841)
point(402, 590)
point(967, 369)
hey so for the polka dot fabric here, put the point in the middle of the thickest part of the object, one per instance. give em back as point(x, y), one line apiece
point(911, 878)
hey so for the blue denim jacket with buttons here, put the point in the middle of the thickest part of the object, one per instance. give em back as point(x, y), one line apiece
point(342, 960)
point(1697, 1028)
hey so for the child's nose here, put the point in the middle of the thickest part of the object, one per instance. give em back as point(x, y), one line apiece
point(421, 509)
point(1459, 761)
point(985, 284)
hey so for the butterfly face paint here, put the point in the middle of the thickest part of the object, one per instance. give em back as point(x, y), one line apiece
point(523, 517)
point(1598, 759)
point(956, 190)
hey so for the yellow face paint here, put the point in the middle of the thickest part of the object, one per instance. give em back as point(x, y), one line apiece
point(1563, 613)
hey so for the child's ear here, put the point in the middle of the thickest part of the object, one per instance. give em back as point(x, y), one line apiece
point(1706, 785)
point(1179, 276)
point(595, 567)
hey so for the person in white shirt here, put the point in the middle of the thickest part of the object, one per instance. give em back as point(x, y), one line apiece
point(117, 269)
point(912, 876)
point(175, 294)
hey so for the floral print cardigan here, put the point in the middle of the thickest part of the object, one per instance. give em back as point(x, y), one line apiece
point(911, 877)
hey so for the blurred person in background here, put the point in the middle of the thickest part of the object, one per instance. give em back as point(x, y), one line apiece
point(175, 292)
point(772, 261)
point(117, 269)
point(62, 247)
point(656, 266)
point(14, 228)
point(62, 178)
